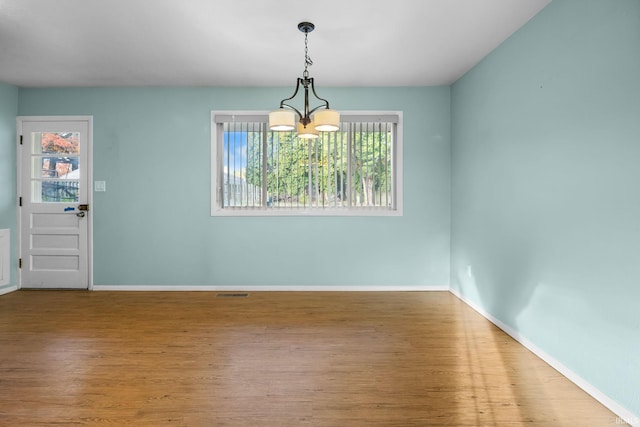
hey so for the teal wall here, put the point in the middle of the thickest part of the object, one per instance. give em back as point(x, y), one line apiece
point(8, 112)
point(546, 189)
point(153, 226)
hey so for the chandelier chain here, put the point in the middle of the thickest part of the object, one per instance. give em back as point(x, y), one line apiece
point(307, 60)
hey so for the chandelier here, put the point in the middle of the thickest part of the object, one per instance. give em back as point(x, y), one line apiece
point(310, 121)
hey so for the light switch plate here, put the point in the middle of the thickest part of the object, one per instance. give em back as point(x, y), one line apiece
point(100, 186)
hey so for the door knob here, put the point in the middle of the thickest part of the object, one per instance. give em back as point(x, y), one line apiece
point(81, 214)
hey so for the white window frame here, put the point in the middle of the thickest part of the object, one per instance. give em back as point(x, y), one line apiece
point(372, 116)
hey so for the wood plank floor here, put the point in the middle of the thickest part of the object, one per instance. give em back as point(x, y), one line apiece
point(271, 359)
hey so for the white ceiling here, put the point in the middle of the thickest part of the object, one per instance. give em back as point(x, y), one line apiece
point(250, 42)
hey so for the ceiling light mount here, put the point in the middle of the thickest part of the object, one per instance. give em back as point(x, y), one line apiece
point(306, 27)
point(311, 121)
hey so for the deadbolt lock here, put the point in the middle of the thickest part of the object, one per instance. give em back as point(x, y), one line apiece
point(83, 207)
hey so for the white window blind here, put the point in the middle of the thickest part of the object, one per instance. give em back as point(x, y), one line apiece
point(354, 171)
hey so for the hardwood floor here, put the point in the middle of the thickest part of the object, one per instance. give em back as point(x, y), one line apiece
point(271, 359)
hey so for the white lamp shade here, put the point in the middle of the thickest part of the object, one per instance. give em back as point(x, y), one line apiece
point(307, 133)
point(326, 120)
point(282, 120)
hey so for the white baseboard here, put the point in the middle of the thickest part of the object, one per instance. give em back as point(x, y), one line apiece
point(7, 289)
point(625, 416)
point(282, 288)
point(5, 250)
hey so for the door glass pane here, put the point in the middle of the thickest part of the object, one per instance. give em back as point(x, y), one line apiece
point(55, 167)
point(55, 191)
point(55, 143)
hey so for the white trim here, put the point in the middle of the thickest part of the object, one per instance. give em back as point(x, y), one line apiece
point(5, 257)
point(625, 416)
point(308, 212)
point(8, 289)
point(280, 288)
point(89, 149)
point(18, 193)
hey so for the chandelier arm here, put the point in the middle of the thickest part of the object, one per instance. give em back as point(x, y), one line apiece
point(313, 89)
point(318, 107)
point(291, 107)
point(282, 103)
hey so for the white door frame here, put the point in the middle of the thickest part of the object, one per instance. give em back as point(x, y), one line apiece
point(89, 149)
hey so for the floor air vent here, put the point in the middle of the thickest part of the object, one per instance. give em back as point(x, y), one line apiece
point(233, 295)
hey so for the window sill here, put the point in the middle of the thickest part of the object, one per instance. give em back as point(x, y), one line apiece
point(311, 212)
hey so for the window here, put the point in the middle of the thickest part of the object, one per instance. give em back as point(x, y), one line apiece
point(55, 167)
point(354, 171)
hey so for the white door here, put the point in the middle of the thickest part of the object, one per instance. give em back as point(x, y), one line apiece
point(54, 195)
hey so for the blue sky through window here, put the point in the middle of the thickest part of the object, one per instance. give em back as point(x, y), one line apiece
point(235, 153)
